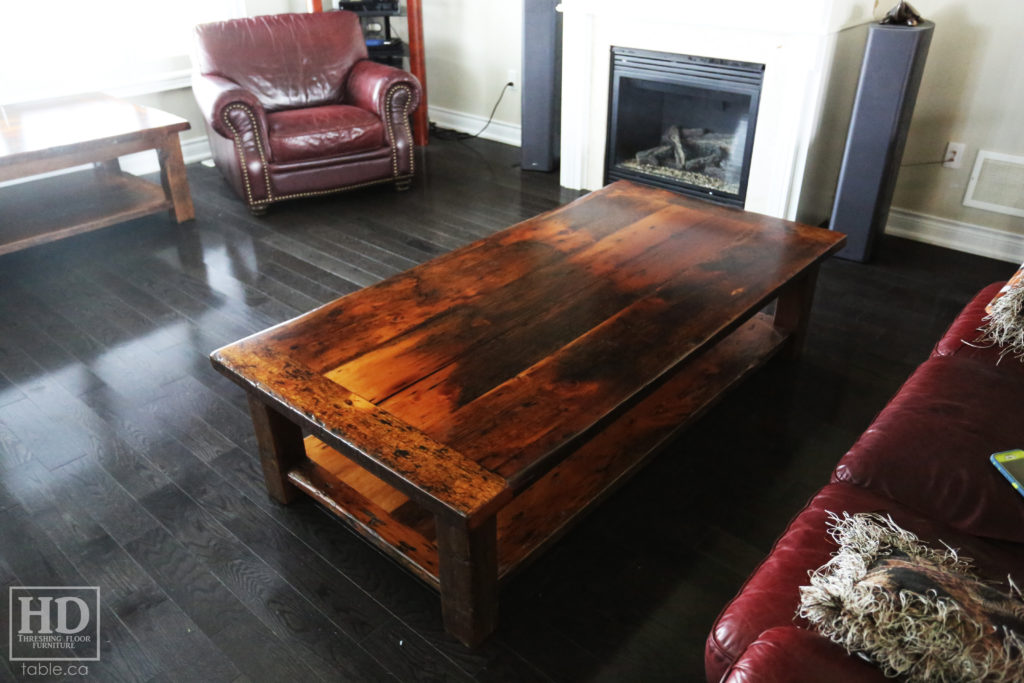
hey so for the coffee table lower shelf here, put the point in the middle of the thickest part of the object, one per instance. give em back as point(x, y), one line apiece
point(49, 209)
point(544, 510)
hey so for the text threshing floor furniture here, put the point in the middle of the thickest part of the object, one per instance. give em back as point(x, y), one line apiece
point(462, 414)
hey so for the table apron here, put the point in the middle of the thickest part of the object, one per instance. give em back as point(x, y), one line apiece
point(82, 153)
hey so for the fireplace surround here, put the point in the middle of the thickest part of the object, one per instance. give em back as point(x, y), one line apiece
point(682, 122)
point(811, 51)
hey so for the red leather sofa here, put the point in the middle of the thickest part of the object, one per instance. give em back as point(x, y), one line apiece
point(924, 460)
point(295, 109)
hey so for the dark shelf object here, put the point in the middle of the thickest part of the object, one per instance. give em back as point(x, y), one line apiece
point(382, 45)
point(389, 13)
point(375, 7)
point(392, 54)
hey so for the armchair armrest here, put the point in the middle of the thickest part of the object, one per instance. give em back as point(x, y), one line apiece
point(371, 84)
point(215, 94)
point(391, 94)
point(237, 116)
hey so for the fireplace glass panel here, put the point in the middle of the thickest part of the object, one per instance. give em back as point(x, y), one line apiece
point(683, 123)
point(694, 135)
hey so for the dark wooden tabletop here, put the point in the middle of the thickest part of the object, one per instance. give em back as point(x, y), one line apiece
point(33, 129)
point(467, 374)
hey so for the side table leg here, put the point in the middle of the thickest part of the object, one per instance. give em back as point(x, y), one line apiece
point(281, 448)
point(469, 579)
point(793, 309)
point(174, 180)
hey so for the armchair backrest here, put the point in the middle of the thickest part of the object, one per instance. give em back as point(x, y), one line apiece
point(287, 61)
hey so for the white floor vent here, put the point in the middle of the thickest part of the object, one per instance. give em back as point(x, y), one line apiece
point(997, 183)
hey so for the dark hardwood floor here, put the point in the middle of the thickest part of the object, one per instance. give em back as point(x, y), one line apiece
point(127, 462)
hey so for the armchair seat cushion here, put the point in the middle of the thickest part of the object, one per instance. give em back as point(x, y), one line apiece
point(327, 131)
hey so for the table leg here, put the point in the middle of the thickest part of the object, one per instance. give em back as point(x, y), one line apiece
point(174, 180)
point(281, 448)
point(793, 309)
point(469, 579)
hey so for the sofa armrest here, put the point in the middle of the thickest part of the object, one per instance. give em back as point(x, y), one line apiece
point(787, 654)
point(370, 85)
point(961, 339)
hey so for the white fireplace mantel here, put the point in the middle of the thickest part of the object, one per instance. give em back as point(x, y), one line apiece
point(811, 50)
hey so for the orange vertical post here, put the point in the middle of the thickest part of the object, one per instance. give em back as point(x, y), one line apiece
point(417, 65)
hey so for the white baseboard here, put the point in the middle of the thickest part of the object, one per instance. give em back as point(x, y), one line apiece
point(967, 237)
point(498, 131)
point(196, 149)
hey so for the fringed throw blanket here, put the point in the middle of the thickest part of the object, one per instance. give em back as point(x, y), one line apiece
point(917, 612)
point(1004, 324)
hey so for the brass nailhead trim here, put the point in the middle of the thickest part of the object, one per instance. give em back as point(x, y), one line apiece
point(316, 193)
point(389, 99)
point(241, 154)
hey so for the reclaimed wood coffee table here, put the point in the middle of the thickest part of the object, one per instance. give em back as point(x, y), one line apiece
point(39, 137)
point(463, 414)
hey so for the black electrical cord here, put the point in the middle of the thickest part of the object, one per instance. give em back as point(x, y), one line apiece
point(925, 163)
point(449, 134)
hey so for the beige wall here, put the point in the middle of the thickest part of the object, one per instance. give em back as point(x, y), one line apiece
point(181, 102)
point(470, 46)
point(257, 7)
point(972, 92)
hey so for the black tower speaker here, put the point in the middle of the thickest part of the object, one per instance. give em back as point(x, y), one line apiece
point(542, 85)
point(889, 80)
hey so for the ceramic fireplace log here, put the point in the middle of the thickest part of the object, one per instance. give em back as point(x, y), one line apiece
point(690, 149)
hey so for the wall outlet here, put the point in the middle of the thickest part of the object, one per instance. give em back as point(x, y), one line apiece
point(513, 78)
point(954, 156)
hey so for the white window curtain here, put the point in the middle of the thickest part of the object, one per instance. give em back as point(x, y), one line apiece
point(65, 47)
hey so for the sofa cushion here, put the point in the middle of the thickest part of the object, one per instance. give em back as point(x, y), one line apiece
point(770, 596)
point(318, 132)
point(929, 448)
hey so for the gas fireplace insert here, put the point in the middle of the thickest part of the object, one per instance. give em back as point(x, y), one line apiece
point(682, 122)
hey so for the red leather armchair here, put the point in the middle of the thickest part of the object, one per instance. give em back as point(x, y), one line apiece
point(295, 109)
